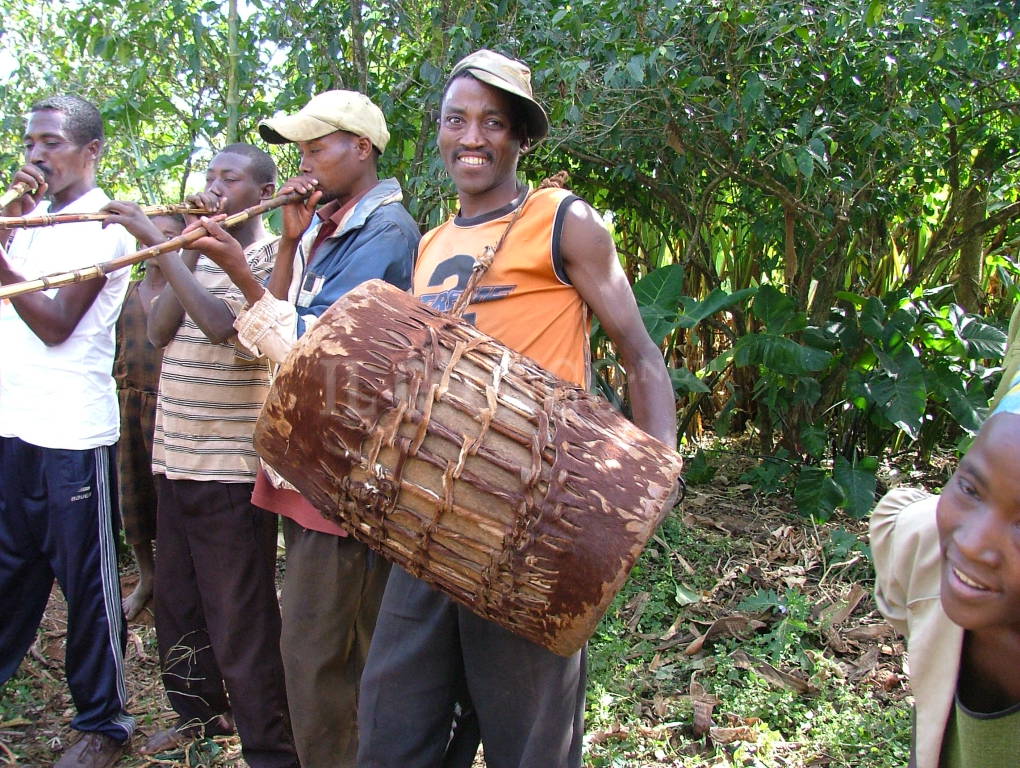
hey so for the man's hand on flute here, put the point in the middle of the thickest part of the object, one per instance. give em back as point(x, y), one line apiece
point(298, 215)
point(209, 201)
point(134, 220)
point(221, 247)
point(32, 177)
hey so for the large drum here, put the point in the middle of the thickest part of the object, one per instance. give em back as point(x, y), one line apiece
point(522, 496)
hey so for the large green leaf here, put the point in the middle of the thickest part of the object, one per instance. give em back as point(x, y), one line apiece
point(851, 298)
point(718, 300)
point(662, 287)
point(901, 400)
point(981, 340)
point(858, 484)
point(900, 325)
point(698, 470)
point(777, 311)
point(779, 354)
point(684, 381)
point(903, 359)
point(658, 297)
point(814, 438)
point(873, 318)
point(659, 321)
point(817, 495)
point(968, 406)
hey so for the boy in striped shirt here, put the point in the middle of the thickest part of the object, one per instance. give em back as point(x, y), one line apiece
point(217, 616)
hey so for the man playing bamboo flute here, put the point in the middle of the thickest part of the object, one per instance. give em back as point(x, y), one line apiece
point(557, 262)
point(58, 424)
point(333, 583)
point(217, 616)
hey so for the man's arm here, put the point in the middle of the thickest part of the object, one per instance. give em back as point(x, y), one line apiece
point(297, 217)
point(589, 256)
point(183, 293)
point(54, 319)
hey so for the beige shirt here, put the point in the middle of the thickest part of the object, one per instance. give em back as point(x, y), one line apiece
point(211, 394)
point(905, 547)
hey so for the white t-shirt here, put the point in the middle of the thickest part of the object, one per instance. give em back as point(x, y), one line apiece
point(64, 396)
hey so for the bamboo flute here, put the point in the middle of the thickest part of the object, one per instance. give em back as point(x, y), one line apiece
point(47, 220)
point(14, 193)
point(99, 270)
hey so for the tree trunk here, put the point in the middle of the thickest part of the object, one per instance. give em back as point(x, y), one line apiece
point(975, 201)
point(233, 56)
point(358, 45)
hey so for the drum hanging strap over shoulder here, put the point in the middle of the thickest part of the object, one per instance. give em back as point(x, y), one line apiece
point(483, 262)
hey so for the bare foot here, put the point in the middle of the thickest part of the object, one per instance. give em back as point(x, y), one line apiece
point(179, 735)
point(134, 603)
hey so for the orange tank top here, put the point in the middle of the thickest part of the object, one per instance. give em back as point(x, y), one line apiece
point(525, 299)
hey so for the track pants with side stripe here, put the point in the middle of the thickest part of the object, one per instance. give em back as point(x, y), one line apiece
point(57, 520)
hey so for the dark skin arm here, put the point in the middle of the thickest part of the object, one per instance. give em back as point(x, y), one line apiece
point(224, 249)
point(589, 256)
point(183, 292)
point(54, 319)
point(296, 217)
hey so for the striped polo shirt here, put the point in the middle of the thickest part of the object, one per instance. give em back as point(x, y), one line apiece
point(211, 394)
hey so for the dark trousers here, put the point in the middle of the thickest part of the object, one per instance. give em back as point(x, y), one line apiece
point(431, 657)
point(217, 617)
point(331, 594)
point(57, 520)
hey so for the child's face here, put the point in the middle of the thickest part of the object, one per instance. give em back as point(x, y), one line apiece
point(979, 529)
point(168, 225)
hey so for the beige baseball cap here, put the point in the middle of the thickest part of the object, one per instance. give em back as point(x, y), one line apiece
point(328, 112)
point(511, 76)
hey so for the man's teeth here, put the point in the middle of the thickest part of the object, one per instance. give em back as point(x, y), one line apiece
point(473, 160)
point(968, 581)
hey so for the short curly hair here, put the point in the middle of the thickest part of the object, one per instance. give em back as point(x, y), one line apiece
point(262, 166)
point(81, 118)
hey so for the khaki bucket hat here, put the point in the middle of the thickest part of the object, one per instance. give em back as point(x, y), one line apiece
point(511, 76)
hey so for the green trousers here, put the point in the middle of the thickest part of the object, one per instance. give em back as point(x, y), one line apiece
point(332, 589)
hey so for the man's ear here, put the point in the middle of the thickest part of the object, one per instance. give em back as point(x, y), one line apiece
point(267, 190)
point(364, 147)
point(525, 145)
point(94, 149)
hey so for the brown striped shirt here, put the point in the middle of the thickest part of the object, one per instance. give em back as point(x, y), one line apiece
point(210, 394)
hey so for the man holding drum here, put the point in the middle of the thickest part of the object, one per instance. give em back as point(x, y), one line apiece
point(58, 425)
point(359, 231)
point(555, 262)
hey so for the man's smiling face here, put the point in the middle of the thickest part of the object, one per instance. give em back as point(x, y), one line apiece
point(480, 142)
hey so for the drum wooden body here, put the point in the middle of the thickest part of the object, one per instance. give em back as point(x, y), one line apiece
point(520, 495)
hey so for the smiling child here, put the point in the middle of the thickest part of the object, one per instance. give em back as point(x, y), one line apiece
point(948, 579)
